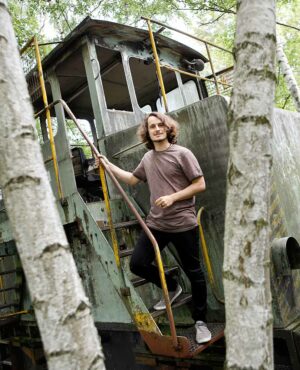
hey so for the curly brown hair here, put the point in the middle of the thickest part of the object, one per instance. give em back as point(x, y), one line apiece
point(169, 122)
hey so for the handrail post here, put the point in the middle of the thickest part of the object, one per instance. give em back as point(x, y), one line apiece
point(109, 216)
point(3, 293)
point(212, 68)
point(205, 254)
point(48, 116)
point(157, 64)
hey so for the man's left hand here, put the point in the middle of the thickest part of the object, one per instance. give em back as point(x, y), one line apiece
point(165, 201)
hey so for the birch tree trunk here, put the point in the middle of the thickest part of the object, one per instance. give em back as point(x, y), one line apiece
point(62, 310)
point(246, 260)
point(288, 75)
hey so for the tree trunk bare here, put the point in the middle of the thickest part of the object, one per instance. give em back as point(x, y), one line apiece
point(247, 231)
point(62, 310)
point(288, 75)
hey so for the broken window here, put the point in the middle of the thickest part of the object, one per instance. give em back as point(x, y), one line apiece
point(114, 80)
point(146, 84)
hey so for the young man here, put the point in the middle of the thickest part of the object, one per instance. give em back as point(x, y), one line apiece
point(174, 177)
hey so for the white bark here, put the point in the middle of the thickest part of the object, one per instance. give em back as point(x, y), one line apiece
point(246, 260)
point(288, 75)
point(62, 310)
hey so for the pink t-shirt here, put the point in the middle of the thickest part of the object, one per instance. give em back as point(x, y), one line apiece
point(167, 172)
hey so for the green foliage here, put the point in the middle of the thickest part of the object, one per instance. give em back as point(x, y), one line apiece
point(75, 137)
point(31, 16)
point(25, 20)
point(213, 20)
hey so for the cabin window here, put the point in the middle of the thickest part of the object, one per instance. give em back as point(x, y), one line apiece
point(146, 84)
point(174, 101)
point(114, 80)
point(194, 89)
point(190, 92)
point(39, 130)
point(146, 109)
point(42, 128)
point(75, 137)
point(174, 97)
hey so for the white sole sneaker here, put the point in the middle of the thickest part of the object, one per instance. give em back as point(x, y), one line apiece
point(203, 335)
point(172, 295)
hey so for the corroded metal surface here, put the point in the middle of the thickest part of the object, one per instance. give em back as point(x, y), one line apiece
point(187, 346)
point(163, 345)
point(217, 332)
point(130, 35)
point(285, 212)
point(286, 166)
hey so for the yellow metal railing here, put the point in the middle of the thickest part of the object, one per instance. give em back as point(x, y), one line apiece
point(33, 42)
point(104, 166)
point(159, 65)
point(1, 287)
point(205, 254)
point(11, 314)
point(109, 215)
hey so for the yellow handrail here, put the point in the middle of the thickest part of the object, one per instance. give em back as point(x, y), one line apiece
point(109, 216)
point(47, 110)
point(48, 116)
point(193, 75)
point(212, 68)
point(134, 211)
point(204, 248)
point(157, 64)
point(186, 34)
point(2, 286)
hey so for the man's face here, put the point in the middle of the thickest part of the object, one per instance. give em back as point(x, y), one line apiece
point(157, 129)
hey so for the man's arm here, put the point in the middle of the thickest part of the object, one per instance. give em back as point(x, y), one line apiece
point(197, 186)
point(120, 174)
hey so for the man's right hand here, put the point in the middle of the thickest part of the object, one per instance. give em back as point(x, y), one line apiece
point(103, 158)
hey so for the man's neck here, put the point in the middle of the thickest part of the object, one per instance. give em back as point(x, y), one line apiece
point(159, 146)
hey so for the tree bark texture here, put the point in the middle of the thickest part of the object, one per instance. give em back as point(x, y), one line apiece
point(62, 309)
point(288, 75)
point(247, 231)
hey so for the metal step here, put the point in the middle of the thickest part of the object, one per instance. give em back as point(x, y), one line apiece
point(12, 304)
point(217, 332)
point(6, 363)
point(141, 281)
point(180, 301)
point(125, 253)
point(15, 287)
point(8, 249)
point(10, 271)
point(187, 346)
point(118, 225)
point(4, 341)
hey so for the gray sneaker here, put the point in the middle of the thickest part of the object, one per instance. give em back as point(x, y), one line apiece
point(203, 335)
point(161, 305)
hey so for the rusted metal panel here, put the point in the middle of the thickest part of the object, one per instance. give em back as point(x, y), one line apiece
point(187, 346)
point(138, 38)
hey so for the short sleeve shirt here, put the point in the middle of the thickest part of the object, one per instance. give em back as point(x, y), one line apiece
point(168, 172)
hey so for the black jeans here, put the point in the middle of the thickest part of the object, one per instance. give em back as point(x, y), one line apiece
point(187, 246)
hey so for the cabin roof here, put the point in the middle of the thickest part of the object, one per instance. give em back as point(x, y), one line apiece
point(130, 34)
